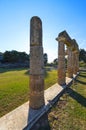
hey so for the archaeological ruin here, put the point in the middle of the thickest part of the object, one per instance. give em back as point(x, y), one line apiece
point(73, 57)
point(37, 95)
point(36, 64)
point(33, 114)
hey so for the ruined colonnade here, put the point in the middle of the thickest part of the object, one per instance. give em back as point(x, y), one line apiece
point(73, 57)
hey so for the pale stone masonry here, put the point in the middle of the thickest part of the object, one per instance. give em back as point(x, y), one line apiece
point(74, 64)
point(75, 57)
point(77, 61)
point(63, 39)
point(61, 63)
point(70, 63)
point(36, 64)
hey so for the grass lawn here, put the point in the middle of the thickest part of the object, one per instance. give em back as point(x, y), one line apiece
point(70, 112)
point(14, 87)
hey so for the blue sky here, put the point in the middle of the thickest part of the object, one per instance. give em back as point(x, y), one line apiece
point(56, 16)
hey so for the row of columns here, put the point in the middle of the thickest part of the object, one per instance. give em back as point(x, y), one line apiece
point(37, 61)
point(73, 57)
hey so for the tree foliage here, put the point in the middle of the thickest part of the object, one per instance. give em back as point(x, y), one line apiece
point(82, 55)
point(55, 61)
point(45, 58)
point(19, 57)
point(15, 56)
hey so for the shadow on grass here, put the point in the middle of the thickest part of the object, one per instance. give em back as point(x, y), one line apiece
point(84, 76)
point(45, 73)
point(83, 70)
point(79, 98)
point(41, 123)
point(81, 82)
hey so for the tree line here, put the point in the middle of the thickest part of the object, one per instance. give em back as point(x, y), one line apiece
point(18, 57)
point(22, 57)
point(82, 55)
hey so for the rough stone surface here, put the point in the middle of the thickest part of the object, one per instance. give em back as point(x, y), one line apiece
point(77, 54)
point(36, 91)
point(75, 45)
point(65, 38)
point(36, 64)
point(74, 63)
point(35, 31)
point(73, 57)
point(61, 63)
point(36, 60)
point(70, 63)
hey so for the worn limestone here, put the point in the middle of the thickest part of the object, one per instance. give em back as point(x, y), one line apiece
point(61, 63)
point(70, 63)
point(36, 64)
point(73, 57)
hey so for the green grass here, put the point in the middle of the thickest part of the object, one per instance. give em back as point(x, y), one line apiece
point(70, 112)
point(82, 64)
point(50, 78)
point(14, 87)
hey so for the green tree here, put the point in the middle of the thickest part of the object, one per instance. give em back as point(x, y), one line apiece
point(7, 56)
point(45, 58)
point(15, 56)
point(55, 61)
point(82, 55)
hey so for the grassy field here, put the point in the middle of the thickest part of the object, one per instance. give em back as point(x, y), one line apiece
point(14, 87)
point(70, 112)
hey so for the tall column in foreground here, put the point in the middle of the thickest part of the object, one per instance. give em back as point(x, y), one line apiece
point(70, 63)
point(61, 62)
point(36, 64)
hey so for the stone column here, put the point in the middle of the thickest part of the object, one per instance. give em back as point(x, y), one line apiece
point(77, 61)
point(70, 63)
point(36, 64)
point(61, 63)
point(74, 63)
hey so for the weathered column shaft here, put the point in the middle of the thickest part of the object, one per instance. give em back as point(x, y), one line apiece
point(36, 64)
point(74, 63)
point(70, 63)
point(61, 63)
point(75, 57)
point(77, 61)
